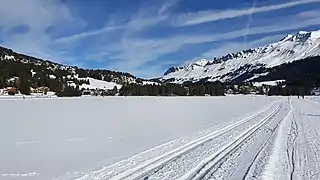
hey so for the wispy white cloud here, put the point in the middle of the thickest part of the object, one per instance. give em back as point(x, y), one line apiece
point(146, 17)
point(132, 53)
point(230, 47)
point(249, 21)
point(82, 35)
point(139, 23)
point(215, 15)
point(136, 24)
point(167, 6)
point(38, 16)
point(309, 14)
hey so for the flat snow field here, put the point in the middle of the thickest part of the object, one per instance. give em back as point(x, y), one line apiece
point(160, 138)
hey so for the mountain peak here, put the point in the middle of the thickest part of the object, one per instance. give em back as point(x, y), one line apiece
point(201, 62)
point(303, 32)
point(302, 36)
point(315, 35)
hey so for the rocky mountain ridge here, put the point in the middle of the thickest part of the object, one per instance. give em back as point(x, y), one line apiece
point(228, 68)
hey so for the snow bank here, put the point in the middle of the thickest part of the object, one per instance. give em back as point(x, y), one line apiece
point(96, 84)
point(150, 83)
point(270, 83)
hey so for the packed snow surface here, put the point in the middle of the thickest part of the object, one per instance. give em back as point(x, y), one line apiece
point(97, 84)
point(47, 138)
point(269, 83)
point(184, 138)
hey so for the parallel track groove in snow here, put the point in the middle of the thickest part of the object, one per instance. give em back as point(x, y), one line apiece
point(260, 159)
point(206, 164)
point(259, 152)
point(150, 166)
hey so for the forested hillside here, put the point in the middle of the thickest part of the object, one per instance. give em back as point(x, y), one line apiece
point(18, 70)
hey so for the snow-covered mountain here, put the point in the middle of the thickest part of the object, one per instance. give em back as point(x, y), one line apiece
point(231, 66)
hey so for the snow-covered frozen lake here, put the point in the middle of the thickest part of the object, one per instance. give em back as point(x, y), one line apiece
point(47, 138)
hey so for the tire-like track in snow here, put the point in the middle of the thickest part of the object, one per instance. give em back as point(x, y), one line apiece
point(305, 154)
point(194, 153)
point(206, 165)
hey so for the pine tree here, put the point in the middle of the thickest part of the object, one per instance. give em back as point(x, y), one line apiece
point(2, 83)
point(114, 90)
point(24, 86)
point(201, 90)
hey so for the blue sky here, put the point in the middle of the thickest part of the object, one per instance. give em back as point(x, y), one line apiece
point(145, 37)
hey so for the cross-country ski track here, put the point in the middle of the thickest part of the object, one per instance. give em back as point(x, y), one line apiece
point(279, 141)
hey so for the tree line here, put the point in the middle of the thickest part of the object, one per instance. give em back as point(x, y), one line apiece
point(295, 88)
point(167, 89)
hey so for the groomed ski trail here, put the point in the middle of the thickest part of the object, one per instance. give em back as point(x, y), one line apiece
point(205, 165)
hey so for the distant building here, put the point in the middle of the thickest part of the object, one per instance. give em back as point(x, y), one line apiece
point(10, 90)
point(99, 92)
point(86, 92)
point(40, 90)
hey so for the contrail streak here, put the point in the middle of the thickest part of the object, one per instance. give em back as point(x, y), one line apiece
point(249, 23)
